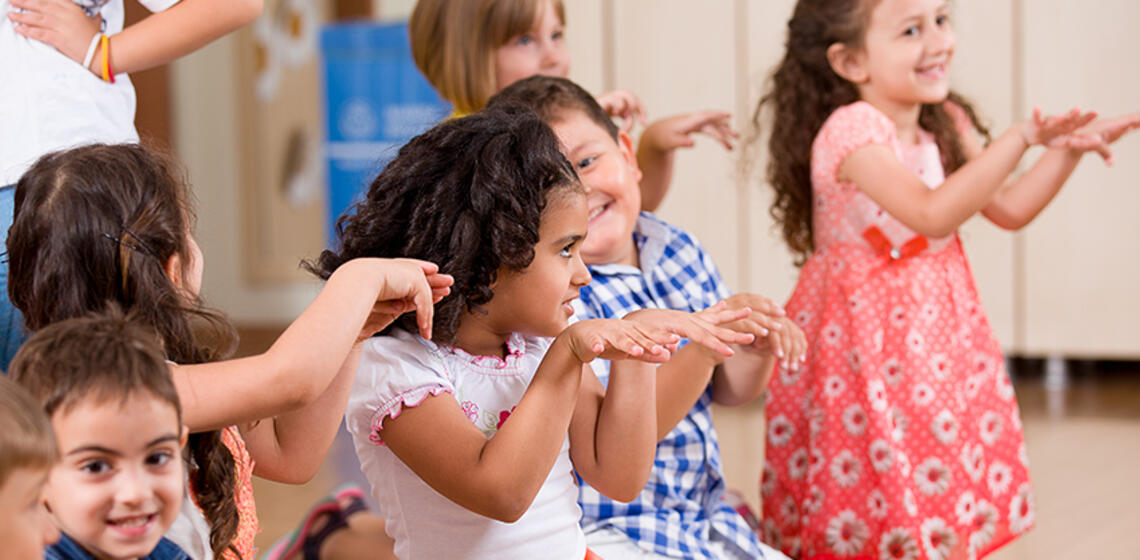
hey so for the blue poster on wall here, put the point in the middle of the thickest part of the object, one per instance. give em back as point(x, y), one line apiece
point(375, 101)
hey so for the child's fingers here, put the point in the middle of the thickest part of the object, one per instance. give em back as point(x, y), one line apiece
point(717, 338)
point(425, 307)
point(722, 316)
point(440, 280)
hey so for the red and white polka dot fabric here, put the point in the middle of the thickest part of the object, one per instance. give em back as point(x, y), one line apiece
point(901, 438)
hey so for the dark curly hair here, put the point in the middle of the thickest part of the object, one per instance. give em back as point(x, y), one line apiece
point(96, 224)
point(467, 195)
point(804, 91)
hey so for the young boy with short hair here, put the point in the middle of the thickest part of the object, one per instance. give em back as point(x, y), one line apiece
point(119, 482)
point(27, 453)
point(638, 261)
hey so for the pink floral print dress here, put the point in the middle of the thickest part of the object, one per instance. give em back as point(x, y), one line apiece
point(901, 437)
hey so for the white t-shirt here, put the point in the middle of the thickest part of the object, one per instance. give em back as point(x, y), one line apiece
point(402, 370)
point(49, 102)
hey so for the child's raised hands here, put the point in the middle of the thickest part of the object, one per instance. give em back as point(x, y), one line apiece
point(625, 105)
point(59, 23)
point(703, 328)
point(775, 333)
point(1099, 134)
point(618, 339)
point(1054, 131)
point(677, 131)
point(404, 285)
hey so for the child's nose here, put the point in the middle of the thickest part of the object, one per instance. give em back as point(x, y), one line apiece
point(554, 56)
point(940, 40)
point(134, 488)
point(581, 275)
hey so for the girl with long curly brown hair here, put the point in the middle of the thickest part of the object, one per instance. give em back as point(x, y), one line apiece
point(900, 438)
point(112, 223)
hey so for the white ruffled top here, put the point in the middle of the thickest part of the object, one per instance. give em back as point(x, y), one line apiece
point(401, 371)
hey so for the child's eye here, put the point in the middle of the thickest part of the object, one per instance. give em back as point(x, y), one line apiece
point(942, 20)
point(524, 40)
point(95, 467)
point(911, 31)
point(158, 458)
point(584, 163)
point(567, 251)
point(557, 35)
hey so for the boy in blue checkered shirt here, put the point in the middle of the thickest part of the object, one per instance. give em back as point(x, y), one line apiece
point(637, 262)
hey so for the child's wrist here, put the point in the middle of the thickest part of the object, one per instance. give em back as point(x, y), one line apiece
point(1024, 133)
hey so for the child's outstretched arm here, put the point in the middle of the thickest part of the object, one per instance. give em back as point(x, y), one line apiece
point(613, 435)
point(1022, 199)
point(298, 388)
point(500, 477)
point(299, 366)
point(876, 170)
point(160, 38)
point(655, 149)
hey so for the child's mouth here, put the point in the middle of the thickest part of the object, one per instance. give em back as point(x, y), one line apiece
point(597, 211)
point(933, 71)
point(132, 526)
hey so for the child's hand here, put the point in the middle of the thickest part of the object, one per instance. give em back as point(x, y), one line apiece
point(406, 285)
point(59, 23)
point(625, 105)
point(676, 132)
point(1098, 135)
point(1055, 131)
point(775, 333)
point(618, 339)
point(703, 328)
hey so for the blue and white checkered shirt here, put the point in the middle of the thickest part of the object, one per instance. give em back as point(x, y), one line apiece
point(681, 508)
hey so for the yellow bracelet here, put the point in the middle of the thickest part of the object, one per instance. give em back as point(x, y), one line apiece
point(105, 46)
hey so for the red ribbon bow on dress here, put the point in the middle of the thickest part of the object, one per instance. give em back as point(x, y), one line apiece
point(879, 242)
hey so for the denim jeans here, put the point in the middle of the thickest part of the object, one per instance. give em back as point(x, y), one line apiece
point(12, 333)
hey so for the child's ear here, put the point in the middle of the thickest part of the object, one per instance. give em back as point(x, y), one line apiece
point(625, 144)
point(173, 269)
point(847, 62)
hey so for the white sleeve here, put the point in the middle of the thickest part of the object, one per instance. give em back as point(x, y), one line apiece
point(157, 5)
point(394, 372)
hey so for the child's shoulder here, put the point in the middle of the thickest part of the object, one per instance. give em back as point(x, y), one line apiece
point(652, 227)
point(853, 118)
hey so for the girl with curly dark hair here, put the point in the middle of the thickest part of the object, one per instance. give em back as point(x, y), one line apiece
point(464, 436)
point(879, 445)
point(112, 223)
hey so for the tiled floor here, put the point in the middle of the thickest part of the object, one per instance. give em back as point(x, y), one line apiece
point(1084, 449)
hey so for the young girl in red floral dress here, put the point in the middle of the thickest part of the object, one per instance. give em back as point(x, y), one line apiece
point(901, 437)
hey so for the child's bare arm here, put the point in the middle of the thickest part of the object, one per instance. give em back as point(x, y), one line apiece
point(159, 38)
point(877, 171)
point(291, 447)
point(358, 299)
point(1021, 199)
point(659, 142)
point(499, 477)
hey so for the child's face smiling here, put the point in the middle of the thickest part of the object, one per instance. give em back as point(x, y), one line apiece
point(25, 528)
point(536, 301)
point(540, 51)
point(906, 55)
point(609, 171)
point(118, 486)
